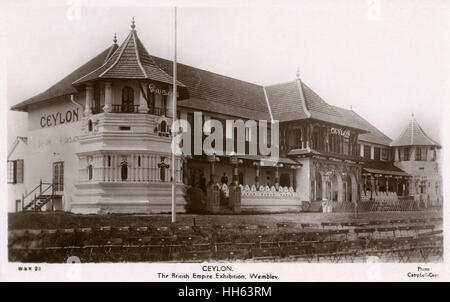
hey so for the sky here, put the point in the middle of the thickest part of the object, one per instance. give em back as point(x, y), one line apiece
point(385, 59)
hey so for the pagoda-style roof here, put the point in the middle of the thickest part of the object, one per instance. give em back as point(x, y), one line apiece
point(130, 61)
point(295, 100)
point(413, 135)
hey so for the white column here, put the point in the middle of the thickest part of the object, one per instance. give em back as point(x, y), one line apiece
point(143, 107)
point(108, 97)
point(361, 150)
point(372, 152)
point(89, 98)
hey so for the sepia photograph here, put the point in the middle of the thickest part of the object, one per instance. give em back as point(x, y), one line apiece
point(153, 133)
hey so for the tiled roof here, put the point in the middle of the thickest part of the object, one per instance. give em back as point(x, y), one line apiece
point(130, 61)
point(372, 136)
point(213, 92)
point(413, 135)
point(288, 102)
point(64, 87)
point(285, 101)
point(383, 167)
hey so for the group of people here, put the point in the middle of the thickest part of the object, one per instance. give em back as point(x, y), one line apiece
point(200, 182)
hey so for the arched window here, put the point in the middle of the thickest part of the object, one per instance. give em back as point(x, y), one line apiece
point(162, 169)
point(90, 125)
point(163, 126)
point(90, 172)
point(124, 170)
point(127, 99)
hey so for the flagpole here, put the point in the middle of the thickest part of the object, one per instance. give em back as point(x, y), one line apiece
point(174, 116)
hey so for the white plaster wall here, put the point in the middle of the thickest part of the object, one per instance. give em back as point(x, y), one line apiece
point(15, 190)
point(303, 179)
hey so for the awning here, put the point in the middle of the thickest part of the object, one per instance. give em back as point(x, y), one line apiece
point(282, 160)
point(386, 172)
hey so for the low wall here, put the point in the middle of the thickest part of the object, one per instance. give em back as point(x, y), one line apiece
point(269, 199)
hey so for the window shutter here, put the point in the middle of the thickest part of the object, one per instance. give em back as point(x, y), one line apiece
point(19, 171)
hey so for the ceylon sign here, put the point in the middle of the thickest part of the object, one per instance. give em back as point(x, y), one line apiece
point(339, 131)
point(59, 118)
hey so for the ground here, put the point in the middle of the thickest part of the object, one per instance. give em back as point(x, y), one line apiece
point(18, 221)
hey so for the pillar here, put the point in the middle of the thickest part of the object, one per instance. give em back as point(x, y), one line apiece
point(143, 106)
point(236, 173)
point(277, 177)
point(108, 97)
point(89, 98)
point(212, 160)
point(257, 177)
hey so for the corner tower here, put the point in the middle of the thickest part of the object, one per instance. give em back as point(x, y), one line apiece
point(124, 162)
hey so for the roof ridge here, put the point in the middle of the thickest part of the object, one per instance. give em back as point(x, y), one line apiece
point(151, 57)
point(105, 62)
point(424, 133)
point(302, 97)
point(137, 54)
point(365, 121)
point(125, 43)
point(268, 104)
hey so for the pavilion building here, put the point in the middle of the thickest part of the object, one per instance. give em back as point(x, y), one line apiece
point(99, 141)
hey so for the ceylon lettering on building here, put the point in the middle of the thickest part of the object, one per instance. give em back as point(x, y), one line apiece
point(99, 142)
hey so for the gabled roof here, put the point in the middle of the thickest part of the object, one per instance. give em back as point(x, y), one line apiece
point(295, 101)
point(64, 87)
point(413, 135)
point(130, 61)
point(373, 135)
point(286, 101)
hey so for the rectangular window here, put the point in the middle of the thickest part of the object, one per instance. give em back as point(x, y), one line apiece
point(384, 154)
point(376, 153)
point(418, 153)
point(366, 151)
point(406, 154)
point(11, 172)
point(15, 171)
point(346, 146)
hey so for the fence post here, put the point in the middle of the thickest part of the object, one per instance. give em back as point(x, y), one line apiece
point(213, 198)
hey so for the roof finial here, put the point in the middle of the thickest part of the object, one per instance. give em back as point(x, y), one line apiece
point(412, 114)
point(115, 38)
point(132, 24)
point(351, 107)
point(298, 73)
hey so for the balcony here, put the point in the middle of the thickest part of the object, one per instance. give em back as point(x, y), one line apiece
point(131, 109)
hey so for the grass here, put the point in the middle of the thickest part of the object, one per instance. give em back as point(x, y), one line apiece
point(59, 220)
